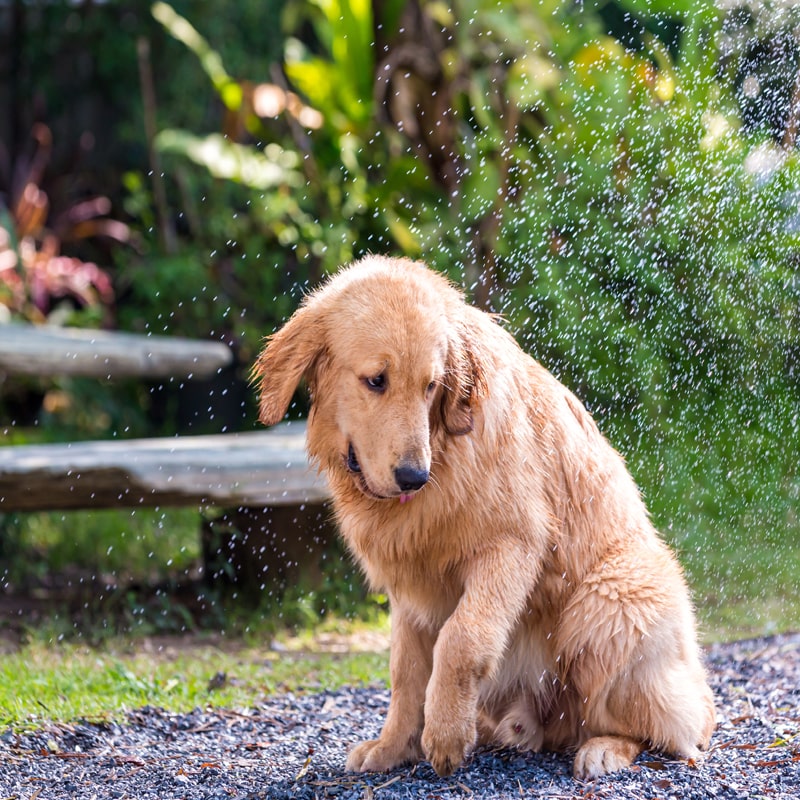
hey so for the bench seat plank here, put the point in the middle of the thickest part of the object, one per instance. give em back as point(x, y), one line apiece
point(258, 469)
point(42, 350)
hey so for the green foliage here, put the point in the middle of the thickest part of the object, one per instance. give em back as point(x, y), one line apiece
point(601, 196)
point(78, 62)
point(262, 217)
point(132, 546)
point(259, 219)
point(643, 229)
point(637, 251)
point(341, 84)
point(229, 90)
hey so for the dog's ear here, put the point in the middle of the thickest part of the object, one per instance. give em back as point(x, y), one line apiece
point(464, 382)
point(289, 355)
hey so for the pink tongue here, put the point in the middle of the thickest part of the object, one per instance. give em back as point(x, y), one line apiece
point(404, 498)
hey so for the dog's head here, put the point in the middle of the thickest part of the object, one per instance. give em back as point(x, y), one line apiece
point(385, 350)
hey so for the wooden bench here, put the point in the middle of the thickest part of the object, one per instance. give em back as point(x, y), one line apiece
point(232, 470)
point(46, 351)
point(250, 475)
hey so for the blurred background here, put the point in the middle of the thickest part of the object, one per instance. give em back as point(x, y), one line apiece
point(619, 180)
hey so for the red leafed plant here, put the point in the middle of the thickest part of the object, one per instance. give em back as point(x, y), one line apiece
point(35, 276)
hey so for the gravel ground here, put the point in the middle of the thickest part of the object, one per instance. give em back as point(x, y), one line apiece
point(294, 747)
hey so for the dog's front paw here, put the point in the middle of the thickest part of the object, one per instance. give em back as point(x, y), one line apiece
point(446, 746)
point(604, 754)
point(378, 755)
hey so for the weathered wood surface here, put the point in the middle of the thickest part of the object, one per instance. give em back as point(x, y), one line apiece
point(47, 350)
point(259, 469)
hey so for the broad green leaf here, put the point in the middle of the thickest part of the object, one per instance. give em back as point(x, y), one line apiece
point(341, 88)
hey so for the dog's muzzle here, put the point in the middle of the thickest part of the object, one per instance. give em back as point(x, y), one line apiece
point(407, 477)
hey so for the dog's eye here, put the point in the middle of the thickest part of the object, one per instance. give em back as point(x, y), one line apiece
point(377, 383)
point(431, 386)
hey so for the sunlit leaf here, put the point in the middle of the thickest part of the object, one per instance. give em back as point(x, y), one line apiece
point(312, 77)
point(225, 159)
point(530, 78)
point(114, 229)
point(402, 234)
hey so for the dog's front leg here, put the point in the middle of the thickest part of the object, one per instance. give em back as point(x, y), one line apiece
point(468, 649)
point(410, 668)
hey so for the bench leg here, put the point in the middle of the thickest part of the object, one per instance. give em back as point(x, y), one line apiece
point(260, 550)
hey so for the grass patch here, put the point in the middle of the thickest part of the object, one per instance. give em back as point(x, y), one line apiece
point(42, 682)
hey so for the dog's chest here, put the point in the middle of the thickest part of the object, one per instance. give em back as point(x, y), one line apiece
point(416, 574)
point(430, 599)
point(430, 594)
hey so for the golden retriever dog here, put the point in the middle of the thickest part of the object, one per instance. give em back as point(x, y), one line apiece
point(533, 603)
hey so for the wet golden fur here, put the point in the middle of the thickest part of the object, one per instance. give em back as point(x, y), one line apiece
point(533, 603)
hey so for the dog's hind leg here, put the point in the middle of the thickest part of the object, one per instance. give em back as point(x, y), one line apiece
point(657, 701)
point(635, 670)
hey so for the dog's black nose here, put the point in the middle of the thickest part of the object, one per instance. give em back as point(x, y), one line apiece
point(409, 479)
